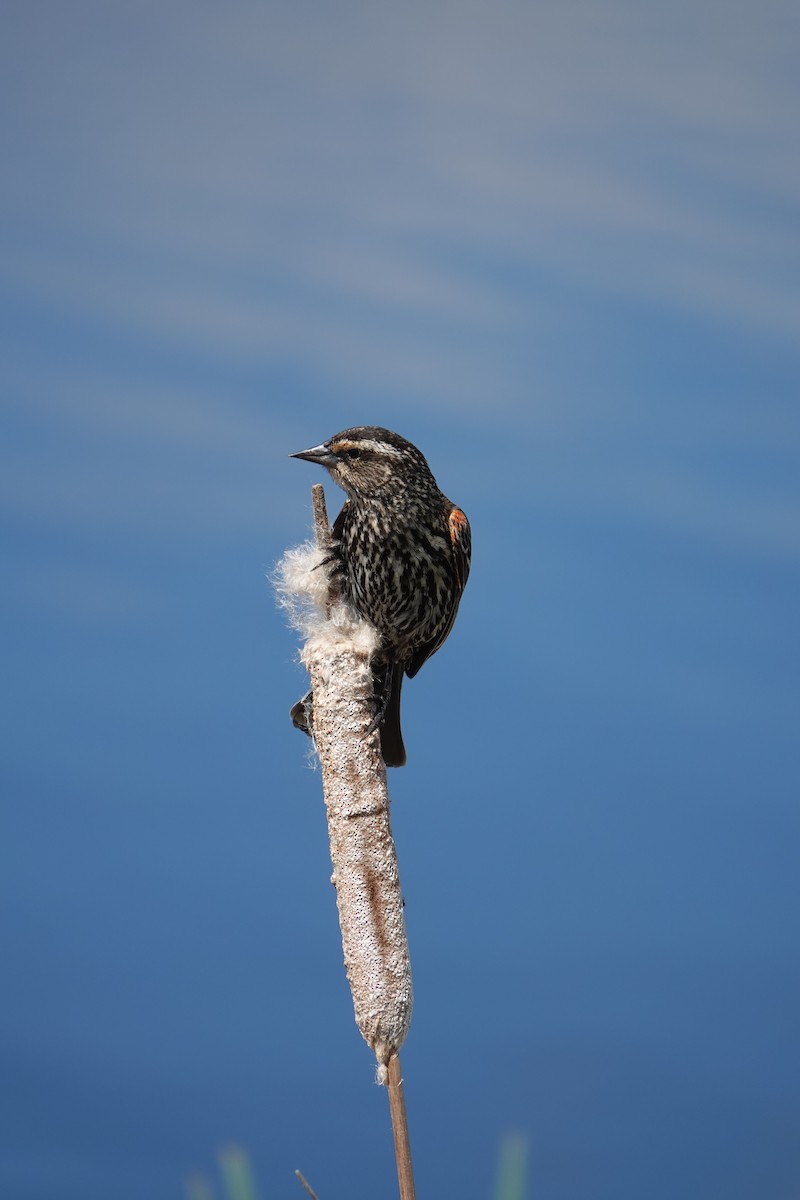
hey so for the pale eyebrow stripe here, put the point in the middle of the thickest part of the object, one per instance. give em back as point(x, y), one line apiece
point(377, 447)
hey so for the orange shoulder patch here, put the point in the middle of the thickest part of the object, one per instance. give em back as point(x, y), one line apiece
point(457, 522)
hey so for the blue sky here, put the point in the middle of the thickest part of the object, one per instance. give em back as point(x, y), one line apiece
point(557, 248)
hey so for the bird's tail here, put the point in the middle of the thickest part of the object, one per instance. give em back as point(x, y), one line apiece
point(392, 748)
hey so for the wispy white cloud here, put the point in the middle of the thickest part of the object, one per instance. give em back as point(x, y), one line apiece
point(347, 149)
point(382, 197)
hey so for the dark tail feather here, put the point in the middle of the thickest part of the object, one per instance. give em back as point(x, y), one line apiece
point(392, 748)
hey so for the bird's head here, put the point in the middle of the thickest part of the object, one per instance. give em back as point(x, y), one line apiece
point(370, 462)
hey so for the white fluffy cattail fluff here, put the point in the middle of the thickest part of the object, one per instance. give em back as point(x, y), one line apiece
point(338, 647)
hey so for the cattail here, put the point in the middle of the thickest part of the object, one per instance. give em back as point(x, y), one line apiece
point(338, 648)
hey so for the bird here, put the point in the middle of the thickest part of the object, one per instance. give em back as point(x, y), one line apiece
point(401, 552)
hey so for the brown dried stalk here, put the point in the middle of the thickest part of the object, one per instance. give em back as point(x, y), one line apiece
point(301, 1177)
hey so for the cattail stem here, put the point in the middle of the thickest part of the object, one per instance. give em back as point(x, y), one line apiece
point(337, 654)
point(306, 1185)
point(322, 532)
point(402, 1143)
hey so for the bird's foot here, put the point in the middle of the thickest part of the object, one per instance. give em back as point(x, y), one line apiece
point(302, 714)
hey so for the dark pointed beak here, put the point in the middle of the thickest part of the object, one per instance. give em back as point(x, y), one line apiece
point(318, 454)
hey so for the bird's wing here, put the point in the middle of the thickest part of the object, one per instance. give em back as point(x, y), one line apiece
point(461, 540)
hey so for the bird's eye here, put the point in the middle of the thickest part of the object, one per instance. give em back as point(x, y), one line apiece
point(352, 452)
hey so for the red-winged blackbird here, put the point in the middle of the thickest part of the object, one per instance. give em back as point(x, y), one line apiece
point(402, 553)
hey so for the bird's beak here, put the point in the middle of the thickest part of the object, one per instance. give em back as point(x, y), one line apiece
point(318, 454)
